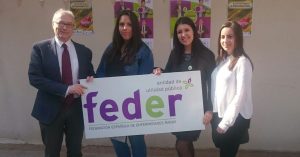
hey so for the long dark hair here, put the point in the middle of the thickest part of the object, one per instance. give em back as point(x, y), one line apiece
point(178, 47)
point(133, 44)
point(238, 50)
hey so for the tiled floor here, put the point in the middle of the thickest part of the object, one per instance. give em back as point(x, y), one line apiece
point(26, 150)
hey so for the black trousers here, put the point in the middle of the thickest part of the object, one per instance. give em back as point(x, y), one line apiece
point(229, 142)
point(69, 122)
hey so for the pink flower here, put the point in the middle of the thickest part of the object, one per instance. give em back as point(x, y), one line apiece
point(244, 22)
point(86, 21)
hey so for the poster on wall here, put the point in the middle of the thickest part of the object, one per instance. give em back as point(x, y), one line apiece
point(241, 12)
point(82, 10)
point(198, 10)
point(144, 11)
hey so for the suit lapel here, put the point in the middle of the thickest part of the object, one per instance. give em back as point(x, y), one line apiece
point(79, 57)
point(54, 58)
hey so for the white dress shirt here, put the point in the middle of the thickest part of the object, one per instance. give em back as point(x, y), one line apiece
point(73, 58)
point(231, 92)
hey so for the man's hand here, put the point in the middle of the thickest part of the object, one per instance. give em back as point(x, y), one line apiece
point(76, 89)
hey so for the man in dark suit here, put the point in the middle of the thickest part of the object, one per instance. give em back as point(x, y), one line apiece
point(55, 68)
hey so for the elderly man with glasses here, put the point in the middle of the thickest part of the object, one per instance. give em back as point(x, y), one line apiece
point(55, 68)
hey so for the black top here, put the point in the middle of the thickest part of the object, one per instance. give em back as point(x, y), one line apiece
point(186, 64)
point(202, 59)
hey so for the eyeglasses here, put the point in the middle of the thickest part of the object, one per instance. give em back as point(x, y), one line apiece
point(64, 24)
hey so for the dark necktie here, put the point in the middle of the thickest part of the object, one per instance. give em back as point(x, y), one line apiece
point(66, 73)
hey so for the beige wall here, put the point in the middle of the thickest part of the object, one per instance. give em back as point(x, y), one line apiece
point(273, 47)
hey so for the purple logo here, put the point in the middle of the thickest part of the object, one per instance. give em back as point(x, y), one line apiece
point(109, 108)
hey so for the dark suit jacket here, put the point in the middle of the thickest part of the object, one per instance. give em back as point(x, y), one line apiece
point(44, 74)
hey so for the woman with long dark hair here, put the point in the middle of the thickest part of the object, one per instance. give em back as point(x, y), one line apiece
point(127, 55)
point(231, 91)
point(190, 54)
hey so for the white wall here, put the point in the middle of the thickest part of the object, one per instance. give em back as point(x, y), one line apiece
point(273, 48)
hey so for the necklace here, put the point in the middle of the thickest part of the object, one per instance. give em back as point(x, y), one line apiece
point(188, 60)
point(123, 52)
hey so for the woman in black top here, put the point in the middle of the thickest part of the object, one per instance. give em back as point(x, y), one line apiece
point(190, 54)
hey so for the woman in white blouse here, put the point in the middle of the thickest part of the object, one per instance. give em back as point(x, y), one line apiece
point(231, 91)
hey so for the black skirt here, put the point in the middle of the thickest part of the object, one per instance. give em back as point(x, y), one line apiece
point(238, 133)
point(187, 135)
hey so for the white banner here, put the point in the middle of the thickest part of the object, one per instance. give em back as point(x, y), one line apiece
point(143, 104)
